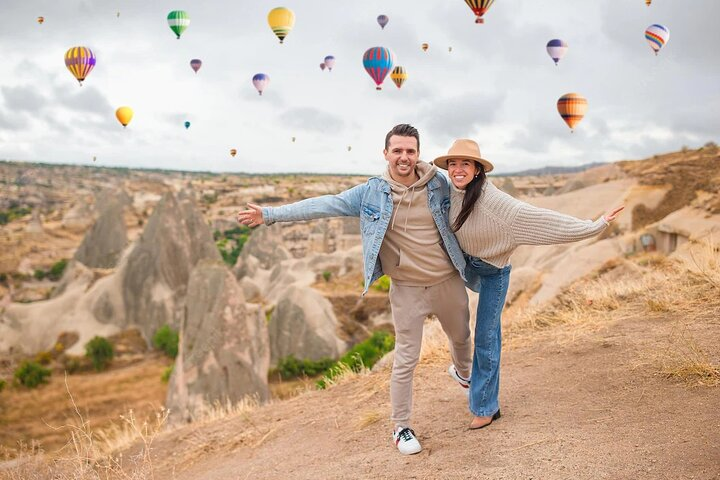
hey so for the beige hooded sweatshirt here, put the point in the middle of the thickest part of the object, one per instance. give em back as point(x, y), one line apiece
point(411, 253)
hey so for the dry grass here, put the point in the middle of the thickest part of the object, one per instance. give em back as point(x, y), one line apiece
point(685, 360)
point(368, 418)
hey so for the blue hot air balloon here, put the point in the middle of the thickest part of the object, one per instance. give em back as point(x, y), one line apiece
point(556, 48)
point(187, 125)
point(378, 62)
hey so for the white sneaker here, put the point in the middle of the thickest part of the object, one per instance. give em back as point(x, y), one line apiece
point(464, 382)
point(406, 441)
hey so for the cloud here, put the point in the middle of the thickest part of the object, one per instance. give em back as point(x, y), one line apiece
point(12, 122)
point(86, 99)
point(313, 120)
point(459, 116)
point(23, 99)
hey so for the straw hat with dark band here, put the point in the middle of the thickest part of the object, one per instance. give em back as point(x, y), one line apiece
point(463, 149)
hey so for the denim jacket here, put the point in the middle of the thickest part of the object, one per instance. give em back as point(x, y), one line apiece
point(372, 202)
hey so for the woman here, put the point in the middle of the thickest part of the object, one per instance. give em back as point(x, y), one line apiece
point(489, 224)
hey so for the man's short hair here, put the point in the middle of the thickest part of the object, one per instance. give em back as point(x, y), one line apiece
point(403, 130)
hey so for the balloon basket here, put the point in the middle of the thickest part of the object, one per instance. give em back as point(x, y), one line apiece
point(479, 20)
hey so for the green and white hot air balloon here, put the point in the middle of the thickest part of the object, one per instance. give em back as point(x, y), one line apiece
point(178, 21)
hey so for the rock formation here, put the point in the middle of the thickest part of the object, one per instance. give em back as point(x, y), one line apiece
point(224, 354)
point(104, 242)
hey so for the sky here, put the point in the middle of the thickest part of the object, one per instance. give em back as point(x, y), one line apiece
point(497, 86)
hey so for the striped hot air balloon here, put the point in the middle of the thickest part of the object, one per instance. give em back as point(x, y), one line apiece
point(260, 81)
point(572, 108)
point(80, 61)
point(425, 47)
point(233, 152)
point(378, 62)
point(648, 2)
point(657, 36)
point(40, 20)
point(178, 20)
point(281, 20)
point(556, 48)
point(195, 64)
point(398, 76)
point(479, 7)
point(330, 62)
point(383, 20)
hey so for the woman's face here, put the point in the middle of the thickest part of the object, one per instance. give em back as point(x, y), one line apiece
point(462, 172)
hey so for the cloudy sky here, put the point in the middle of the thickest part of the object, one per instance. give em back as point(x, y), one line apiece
point(498, 85)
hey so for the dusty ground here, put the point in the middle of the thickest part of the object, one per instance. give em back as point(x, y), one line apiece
point(612, 395)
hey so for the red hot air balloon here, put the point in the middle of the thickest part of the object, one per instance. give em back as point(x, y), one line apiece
point(378, 62)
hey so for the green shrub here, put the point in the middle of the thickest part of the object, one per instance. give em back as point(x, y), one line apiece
point(43, 358)
point(291, 367)
point(326, 275)
point(167, 339)
point(56, 271)
point(3, 383)
point(72, 364)
point(382, 284)
point(166, 373)
point(230, 243)
point(100, 351)
point(31, 374)
point(364, 354)
point(39, 274)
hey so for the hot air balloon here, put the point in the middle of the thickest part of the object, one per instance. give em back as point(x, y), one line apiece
point(556, 48)
point(349, 148)
point(293, 139)
point(233, 152)
point(195, 64)
point(572, 108)
point(40, 20)
point(479, 7)
point(260, 80)
point(378, 62)
point(322, 66)
point(657, 36)
point(94, 158)
point(398, 76)
point(178, 21)
point(383, 20)
point(281, 20)
point(330, 62)
point(80, 61)
point(424, 46)
point(117, 14)
point(648, 2)
point(187, 125)
point(124, 115)
point(449, 49)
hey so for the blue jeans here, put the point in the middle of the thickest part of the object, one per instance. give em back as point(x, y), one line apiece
point(492, 285)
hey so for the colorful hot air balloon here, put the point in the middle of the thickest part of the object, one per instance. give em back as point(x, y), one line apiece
point(479, 7)
point(378, 62)
point(233, 152)
point(383, 20)
point(322, 66)
point(187, 124)
point(80, 61)
point(124, 115)
point(260, 80)
point(330, 62)
point(424, 46)
point(195, 64)
point(657, 36)
point(556, 48)
point(178, 21)
point(40, 20)
point(398, 75)
point(281, 20)
point(572, 108)
point(648, 2)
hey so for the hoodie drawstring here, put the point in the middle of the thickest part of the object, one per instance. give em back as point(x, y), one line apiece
point(395, 214)
point(407, 212)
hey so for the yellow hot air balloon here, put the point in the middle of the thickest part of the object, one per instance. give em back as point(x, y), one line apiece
point(398, 76)
point(648, 2)
point(281, 20)
point(572, 108)
point(124, 115)
point(233, 152)
point(425, 46)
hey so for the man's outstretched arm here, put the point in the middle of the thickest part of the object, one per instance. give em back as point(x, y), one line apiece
point(344, 204)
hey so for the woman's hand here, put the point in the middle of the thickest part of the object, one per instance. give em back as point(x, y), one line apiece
point(613, 214)
point(252, 217)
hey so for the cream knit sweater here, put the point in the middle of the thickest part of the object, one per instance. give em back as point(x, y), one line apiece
point(500, 223)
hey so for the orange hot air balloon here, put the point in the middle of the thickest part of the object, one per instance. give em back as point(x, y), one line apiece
point(425, 46)
point(40, 20)
point(572, 108)
point(233, 152)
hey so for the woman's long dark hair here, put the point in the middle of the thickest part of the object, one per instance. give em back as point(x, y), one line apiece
point(472, 194)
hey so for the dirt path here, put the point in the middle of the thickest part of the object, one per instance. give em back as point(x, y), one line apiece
point(592, 407)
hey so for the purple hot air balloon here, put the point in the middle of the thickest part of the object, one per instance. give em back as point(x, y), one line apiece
point(378, 62)
point(260, 80)
point(195, 64)
point(383, 20)
point(330, 62)
point(322, 66)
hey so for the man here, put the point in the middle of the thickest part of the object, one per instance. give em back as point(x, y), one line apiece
point(405, 234)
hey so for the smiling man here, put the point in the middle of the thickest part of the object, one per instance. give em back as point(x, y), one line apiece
point(405, 235)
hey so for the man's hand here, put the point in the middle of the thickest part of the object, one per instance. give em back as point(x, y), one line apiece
point(251, 217)
point(613, 214)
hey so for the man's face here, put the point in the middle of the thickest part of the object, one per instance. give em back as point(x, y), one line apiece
point(402, 156)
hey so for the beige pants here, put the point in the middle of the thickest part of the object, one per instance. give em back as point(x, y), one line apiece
point(410, 306)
